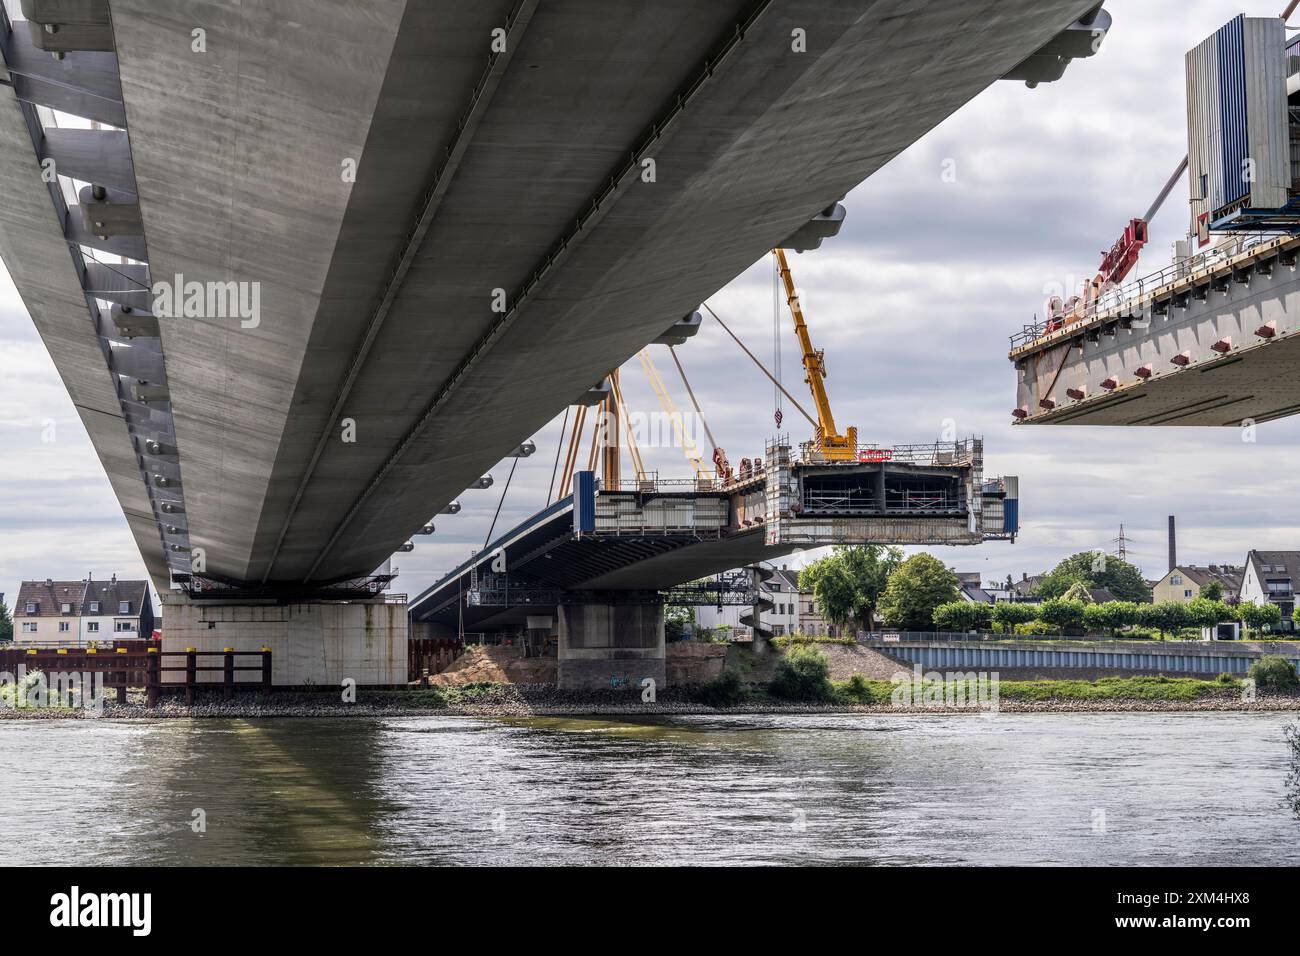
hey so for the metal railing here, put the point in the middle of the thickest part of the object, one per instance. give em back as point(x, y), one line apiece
point(907, 637)
point(933, 453)
point(1114, 297)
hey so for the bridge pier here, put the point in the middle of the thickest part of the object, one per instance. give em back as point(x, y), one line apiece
point(614, 645)
point(312, 642)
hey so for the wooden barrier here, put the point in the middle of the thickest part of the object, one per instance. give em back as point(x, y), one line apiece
point(429, 655)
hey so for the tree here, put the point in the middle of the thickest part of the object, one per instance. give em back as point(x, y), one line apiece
point(1110, 616)
point(1165, 616)
point(847, 584)
point(1007, 614)
point(1062, 614)
point(677, 620)
point(6, 623)
point(916, 587)
point(963, 616)
point(1094, 569)
point(1256, 617)
point(1213, 591)
point(1078, 591)
point(1204, 612)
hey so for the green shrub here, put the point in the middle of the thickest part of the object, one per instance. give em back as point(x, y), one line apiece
point(1061, 613)
point(802, 674)
point(859, 690)
point(724, 690)
point(1036, 629)
point(788, 640)
point(1226, 678)
point(963, 616)
point(1272, 672)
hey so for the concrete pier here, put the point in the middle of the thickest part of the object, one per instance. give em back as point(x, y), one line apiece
point(610, 646)
point(321, 643)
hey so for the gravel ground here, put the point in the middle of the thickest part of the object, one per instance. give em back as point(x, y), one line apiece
point(544, 700)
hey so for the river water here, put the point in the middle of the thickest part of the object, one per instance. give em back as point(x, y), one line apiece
point(1012, 788)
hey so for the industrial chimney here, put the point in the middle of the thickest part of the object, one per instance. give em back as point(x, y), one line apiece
point(1173, 545)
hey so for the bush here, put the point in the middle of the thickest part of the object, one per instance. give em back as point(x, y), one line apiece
point(803, 674)
point(1272, 672)
point(963, 616)
point(858, 690)
point(1009, 614)
point(787, 640)
point(1226, 678)
point(1036, 629)
point(1061, 613)
point(723, 691)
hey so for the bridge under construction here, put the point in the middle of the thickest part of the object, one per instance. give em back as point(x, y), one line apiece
point(308, 271)
point(1214, 337)
point(593, 571)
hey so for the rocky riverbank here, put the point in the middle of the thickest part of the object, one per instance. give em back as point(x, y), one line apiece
point(519, 700)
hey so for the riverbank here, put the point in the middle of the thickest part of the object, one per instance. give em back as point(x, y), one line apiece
point(1112, 695)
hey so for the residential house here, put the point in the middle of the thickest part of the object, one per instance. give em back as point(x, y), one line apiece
point(1024, 588)
point(79, 612)
point(1185, 582)
point(1270, 576)
point(968, 584)
point(811, 621)
point(782, 589)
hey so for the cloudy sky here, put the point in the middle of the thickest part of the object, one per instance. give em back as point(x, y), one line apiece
point(913, 304)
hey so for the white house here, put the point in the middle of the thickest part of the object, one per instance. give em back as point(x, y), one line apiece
point(1269, 576)
point(53, 612)
point(782, 589)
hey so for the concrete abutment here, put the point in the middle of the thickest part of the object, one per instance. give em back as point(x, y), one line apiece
point(322, 643)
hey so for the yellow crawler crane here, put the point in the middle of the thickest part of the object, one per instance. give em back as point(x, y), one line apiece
point(828, 443)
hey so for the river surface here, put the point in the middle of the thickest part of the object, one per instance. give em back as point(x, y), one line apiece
point(1013, 788)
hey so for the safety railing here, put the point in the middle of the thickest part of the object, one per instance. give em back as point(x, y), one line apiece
point(932, 453)
point(1114, 297)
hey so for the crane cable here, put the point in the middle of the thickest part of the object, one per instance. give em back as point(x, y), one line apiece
point(514, 462)
point(694, 401)
point(778, 415)
point(558, 445)
point(763, 369)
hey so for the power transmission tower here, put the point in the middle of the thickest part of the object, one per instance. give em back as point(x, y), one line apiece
point(1121, 550)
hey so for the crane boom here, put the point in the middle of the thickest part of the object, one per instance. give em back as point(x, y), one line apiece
point(829, 441)
point(684, 438)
